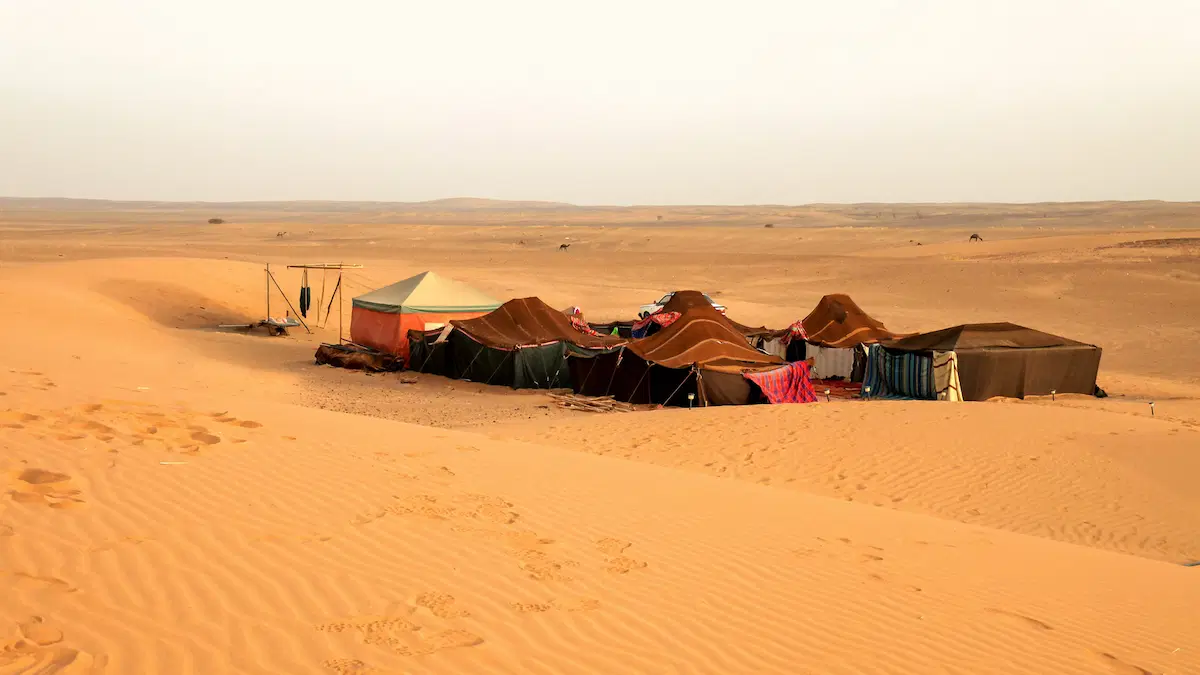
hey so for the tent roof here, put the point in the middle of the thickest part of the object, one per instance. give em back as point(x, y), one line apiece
point(682, 301)
point(704, 337)
point(427, 292)
point(982, 336)
point(838, 321)
point(525, 322)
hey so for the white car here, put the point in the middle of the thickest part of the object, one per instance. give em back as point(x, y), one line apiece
point(646, 310)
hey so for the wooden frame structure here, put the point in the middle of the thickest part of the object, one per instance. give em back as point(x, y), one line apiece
point(337, 290)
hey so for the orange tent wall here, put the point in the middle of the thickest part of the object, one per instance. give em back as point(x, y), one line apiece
point(389, 332)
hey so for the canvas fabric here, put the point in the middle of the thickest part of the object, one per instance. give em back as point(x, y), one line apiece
point(427, 292)
point(388, 331)
point(829, 362)
point(945, 376)
point(1005, 359)
point(837, 321)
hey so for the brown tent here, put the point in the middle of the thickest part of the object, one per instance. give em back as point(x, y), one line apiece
point(522, 344)
point(1004, 359)
point(682, 301)
point(529, 322)
point(837, 321)
point(699, 354)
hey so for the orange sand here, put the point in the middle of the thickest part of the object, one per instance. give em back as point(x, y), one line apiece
point(174, 500)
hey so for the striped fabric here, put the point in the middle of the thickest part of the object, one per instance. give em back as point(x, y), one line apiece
point(663, 319)
point(788, 384)
point(899, 375)
point(582, 326)
point(794, 332)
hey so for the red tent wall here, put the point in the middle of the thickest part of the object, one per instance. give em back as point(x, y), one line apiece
point(388, 332)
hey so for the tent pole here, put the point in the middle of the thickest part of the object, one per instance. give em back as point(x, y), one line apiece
point(685, 379)
point(268, 281)
point(323, 271)
point(285, 299)
point(341, 306)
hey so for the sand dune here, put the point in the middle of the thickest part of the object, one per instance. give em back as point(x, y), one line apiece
point(445, 551)
point(1072, 474)
point(174, 500)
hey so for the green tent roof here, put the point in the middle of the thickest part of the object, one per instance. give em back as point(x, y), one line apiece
point(426, 292)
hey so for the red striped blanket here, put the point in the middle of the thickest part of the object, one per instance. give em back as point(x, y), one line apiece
point(787, 384)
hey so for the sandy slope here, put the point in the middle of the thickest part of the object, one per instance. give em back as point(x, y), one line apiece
point(281, 538)
point(370, 544)
point(1074, 474)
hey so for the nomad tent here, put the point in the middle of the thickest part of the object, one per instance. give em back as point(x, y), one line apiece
point(680, 303)
point(382, 318)
point(700, 353)
point(522, 344)
point(992, 359)
point(831, 335)
point(838, 321)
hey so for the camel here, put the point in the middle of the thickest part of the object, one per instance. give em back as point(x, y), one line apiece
point(975, 237)
point(563, 247)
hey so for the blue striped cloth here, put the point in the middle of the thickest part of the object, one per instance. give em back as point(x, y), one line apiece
point(898, 375)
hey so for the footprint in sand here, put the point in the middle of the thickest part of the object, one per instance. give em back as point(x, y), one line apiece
point(37, 647)
point(402, 635)
point(202, 436)
point(49, 488)
point(540, 566)
point(616, 562)
point(623, 565)
point(562, 605)
point(440, 605)
point(611, 546)
point(348, 667)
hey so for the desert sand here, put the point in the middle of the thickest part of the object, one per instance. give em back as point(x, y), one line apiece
point(178, 499)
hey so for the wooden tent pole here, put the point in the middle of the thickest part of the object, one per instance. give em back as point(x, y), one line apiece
point(341, 306)
point(268, 282)
point(323, 271)
point(289, 302)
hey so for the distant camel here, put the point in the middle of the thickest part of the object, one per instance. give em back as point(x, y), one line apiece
point(280, 234)
point(975, 237)
point(563, 247)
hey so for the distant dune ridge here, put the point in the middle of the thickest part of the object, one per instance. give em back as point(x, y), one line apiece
point(176, 499)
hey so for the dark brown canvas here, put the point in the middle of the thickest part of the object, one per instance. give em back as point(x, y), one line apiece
point(1004, 359)
point(980, 336)
point(526, 322)
point(703, 337)
point(682, 301)
point(837, 321)
point(658, 368)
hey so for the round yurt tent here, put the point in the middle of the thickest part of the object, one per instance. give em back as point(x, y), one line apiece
point(382, 318)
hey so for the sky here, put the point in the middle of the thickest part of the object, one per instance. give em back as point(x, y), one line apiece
point(648, 102)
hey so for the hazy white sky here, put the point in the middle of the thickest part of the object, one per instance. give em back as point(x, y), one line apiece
point(601, 103)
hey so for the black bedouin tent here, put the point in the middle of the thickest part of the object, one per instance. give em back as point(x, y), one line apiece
point(701, 353)
point(1004, 359)
point(522, 344)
